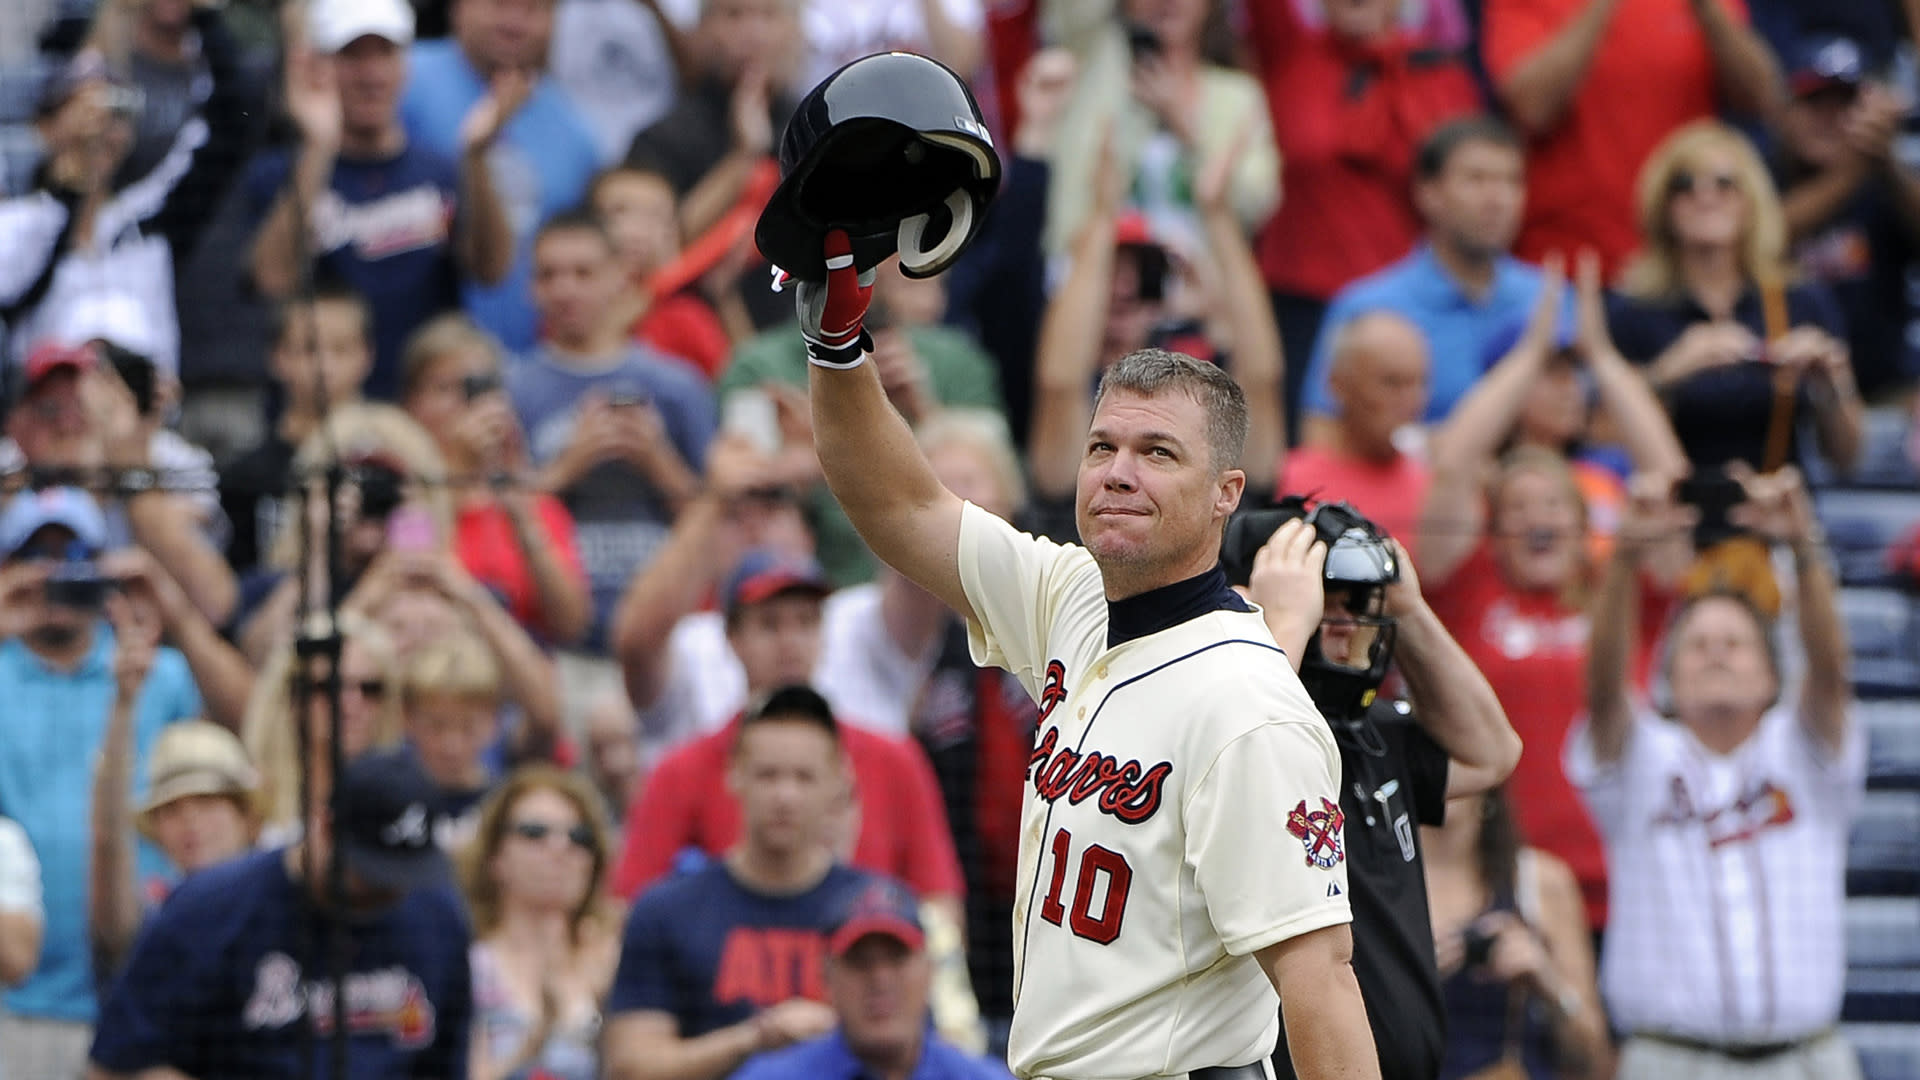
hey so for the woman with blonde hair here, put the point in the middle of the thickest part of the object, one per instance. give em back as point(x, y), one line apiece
point(369, 717)
point(1737, 351)
point(546, 941)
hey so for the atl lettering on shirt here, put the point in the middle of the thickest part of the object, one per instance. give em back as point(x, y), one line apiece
point(1182, 812)
point(1729, 878)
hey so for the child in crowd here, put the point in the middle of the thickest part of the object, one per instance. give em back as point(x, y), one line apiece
point(664, 310)
point(451, 699)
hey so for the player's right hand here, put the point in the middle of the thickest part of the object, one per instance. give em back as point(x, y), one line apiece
point(832, 313)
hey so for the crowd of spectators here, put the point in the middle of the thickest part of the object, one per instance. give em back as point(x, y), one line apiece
point(404, 456)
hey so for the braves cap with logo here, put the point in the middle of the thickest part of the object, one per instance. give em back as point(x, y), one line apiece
point(383, 821)
point(70, 508)
point(763, 575)
point(886, 908)
point(1827, 62)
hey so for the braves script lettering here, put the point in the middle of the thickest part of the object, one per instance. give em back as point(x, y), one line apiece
point(1126, 789)
point(391, 1001)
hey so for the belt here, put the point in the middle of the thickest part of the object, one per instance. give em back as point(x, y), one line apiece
point(1252, 1071)
point(1742, 1052)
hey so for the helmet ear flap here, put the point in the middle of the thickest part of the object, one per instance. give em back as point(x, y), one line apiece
point(916, 261)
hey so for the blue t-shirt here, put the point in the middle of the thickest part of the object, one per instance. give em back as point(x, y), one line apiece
point(620, 521)
point(712, 952)
point(217, 988)
point(51, 728)
point(1458, 327)
point(386, 228)
point(828, 1058)
point(540, 166)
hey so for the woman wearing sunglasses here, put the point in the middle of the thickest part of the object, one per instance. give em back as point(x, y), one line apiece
point(545, 939)
point(1737, 351)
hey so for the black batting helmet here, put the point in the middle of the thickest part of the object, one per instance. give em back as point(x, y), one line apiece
point(892, 149)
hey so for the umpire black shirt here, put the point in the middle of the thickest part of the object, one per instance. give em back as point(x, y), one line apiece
point(1394, 779)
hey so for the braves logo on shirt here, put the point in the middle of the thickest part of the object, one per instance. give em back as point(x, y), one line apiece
point(391, 1001)
point(1762, 805)
point(1319, 831)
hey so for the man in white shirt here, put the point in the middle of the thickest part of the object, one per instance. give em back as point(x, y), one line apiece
point(1725, 813)
point(22, 919)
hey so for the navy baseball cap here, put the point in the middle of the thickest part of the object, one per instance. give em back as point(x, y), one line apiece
point(1827, 62)
point(72, 509)
point(383, 820)
point(764, 574)
point(884, 907)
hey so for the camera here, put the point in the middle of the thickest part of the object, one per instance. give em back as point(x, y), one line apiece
point(77, 584)
point(137, 372)
point(479, 386)
point(382, 489)
point(1714, 494)
point(628, 399)
point(1478, 946)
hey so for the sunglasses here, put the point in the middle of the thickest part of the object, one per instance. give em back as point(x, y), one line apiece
point(371, 689)
point(1686, 183)
point(579, 836)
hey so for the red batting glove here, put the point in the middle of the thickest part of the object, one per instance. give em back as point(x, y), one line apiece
point(831, 313)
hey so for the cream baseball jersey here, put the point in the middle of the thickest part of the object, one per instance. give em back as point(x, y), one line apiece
point(1182, 812)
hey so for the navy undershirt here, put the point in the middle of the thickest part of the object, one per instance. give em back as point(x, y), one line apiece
point(1170, 605)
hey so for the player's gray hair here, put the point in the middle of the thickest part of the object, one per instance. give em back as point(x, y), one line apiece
point(984, 432)
point(1148, 372)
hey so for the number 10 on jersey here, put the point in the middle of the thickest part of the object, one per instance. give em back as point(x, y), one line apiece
point(1096, 862)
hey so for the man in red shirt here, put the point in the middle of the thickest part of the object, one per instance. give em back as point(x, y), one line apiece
point(1596, 84)
point(1379, 380)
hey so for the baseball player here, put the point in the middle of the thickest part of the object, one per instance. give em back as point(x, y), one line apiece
point(1181, 847)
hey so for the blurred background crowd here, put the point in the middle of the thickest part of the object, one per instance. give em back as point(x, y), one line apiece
point(419, 359)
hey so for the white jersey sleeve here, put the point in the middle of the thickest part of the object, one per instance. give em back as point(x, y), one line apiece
point(1265, 836)
point(1018, 585)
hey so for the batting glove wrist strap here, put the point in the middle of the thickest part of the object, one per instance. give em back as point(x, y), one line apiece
point(845, 358)
point(831, 312)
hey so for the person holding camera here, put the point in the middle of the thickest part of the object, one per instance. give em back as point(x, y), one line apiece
point(1342, 602)
point(58, 681)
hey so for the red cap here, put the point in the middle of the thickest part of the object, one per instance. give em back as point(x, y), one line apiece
point(885, 907)
point(49, 357)
point(1133, 230)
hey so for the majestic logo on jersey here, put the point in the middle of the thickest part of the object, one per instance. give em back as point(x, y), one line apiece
point(1763, 805)
point(1319, 831)
point(391, 1001)
point(1126, 789)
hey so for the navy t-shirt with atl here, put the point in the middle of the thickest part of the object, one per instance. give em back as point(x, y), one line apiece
point(222, 981)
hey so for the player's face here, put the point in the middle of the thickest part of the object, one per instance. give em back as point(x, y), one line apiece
point(199, 831)
point(777, 640)
point(1535, 530)
point(788, 779)
point(541, 862)
point(1149, 502)
point(450, 734)
point(1720, 666)
point(879, 990)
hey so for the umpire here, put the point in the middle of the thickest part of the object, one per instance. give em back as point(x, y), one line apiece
point(1399, 764)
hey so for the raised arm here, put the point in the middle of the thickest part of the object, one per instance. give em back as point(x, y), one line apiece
point(1652, 522)
point(868, 454)
point(1538, 89)
point(113, 900)
point(1258, 363)
point(1746, 71)
point(1068, 353)
point(222, 673)
point(1638, 415)
point(483, 237)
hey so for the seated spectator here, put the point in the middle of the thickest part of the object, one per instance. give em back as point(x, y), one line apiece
point(618, 431)
point(221, 986)
point(925, 367)
point(200, 808)
point(1112, 304)
point(77, 421)
point(517, 541)
point(1511, 939)
point(545, 939)
point(79, 232)
point(715, 145)
point(360, 201)
point(642, 215)
point(1595, 85)
point(57, 679)
point(1726, 812)
point(1738, 353)
point(1549, 380)
point(838, 32)
point(450, 703)
point(23, 917)
point(878, 981)
point(1852, 204)
point(726, 962)
point(322, 352)
point(1166, 111)
point(543, 157)
point(1459, 285)
point(1378, 380)
point(1353, 101)
point(294, 689)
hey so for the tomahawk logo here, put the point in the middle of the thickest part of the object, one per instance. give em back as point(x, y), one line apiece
point(1319, 831)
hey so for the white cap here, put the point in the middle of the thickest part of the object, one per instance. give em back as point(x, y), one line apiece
point(113, 317)
point(333, 24)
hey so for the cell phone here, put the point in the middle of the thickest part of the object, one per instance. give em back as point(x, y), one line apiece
point(628, 399)
point(1478, 945)
point(1714, 494)
point(410, 528)
point(751, 415)
point(479, 386)
point(78, 584)
point(1142, 42)
point(137, 372)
